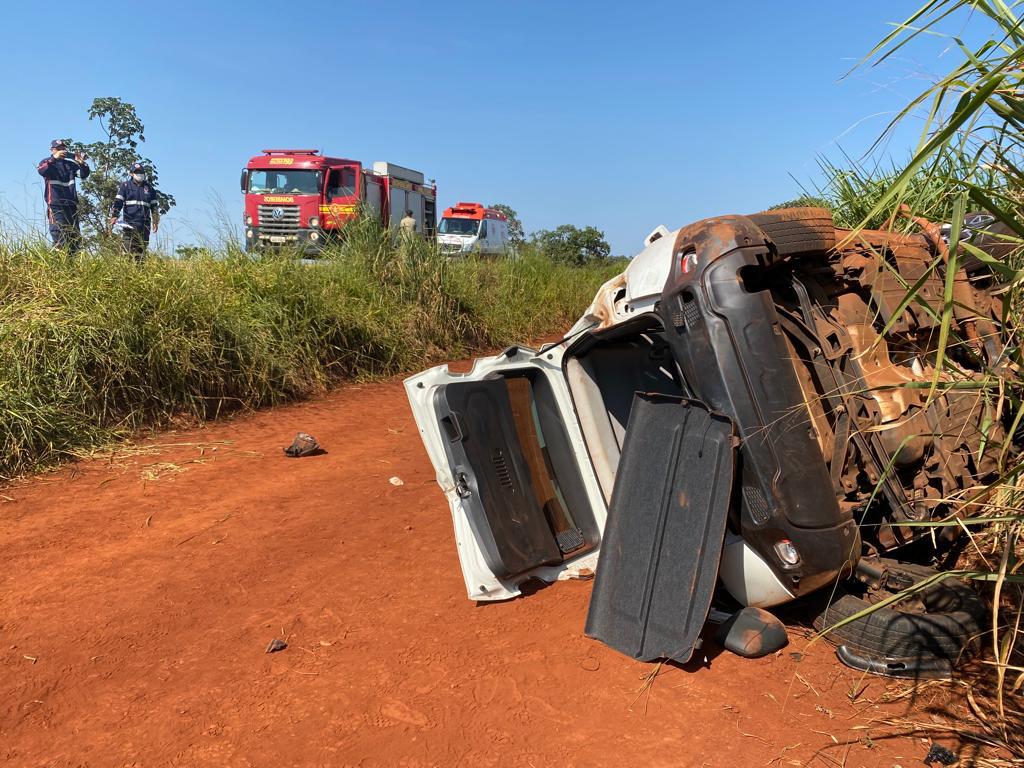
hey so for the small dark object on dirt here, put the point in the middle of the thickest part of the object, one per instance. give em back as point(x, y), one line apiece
point(302, 445)
point(939, 754)
point(752, 633)
point(276, 645)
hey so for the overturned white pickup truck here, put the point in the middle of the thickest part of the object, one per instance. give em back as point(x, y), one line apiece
point(714, 418)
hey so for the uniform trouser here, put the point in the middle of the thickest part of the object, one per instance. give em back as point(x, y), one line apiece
point(136, 241)
point(64, 227)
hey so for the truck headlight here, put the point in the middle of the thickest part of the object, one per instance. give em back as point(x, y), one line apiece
point(248, 234)
point(314, 221)
point(248, 220)
point(314, 236)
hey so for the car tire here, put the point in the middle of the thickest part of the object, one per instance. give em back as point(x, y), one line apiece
point(949, 626)
point(798, 231)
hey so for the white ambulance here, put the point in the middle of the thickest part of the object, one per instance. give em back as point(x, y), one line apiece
point(471, 228)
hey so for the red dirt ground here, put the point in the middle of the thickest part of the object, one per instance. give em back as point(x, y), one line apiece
point(139, 593)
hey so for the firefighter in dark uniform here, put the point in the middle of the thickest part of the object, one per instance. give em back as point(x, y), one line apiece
point(137, 198)
point(59, 172)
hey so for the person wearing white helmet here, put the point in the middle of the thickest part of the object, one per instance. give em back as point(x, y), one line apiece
point(138, 201)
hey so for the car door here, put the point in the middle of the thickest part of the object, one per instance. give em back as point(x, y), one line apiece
point(500, 236)
point(483, 244)
point(508, 453)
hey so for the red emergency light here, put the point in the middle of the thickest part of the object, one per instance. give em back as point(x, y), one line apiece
point(472, 211)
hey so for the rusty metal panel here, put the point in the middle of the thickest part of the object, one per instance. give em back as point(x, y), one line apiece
point(888, 291)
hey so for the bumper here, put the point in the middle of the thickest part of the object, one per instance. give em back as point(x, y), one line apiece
point(307, 241)
point(726, 336)
point(450, 249)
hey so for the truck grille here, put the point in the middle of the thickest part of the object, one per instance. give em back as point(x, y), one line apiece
point(284, 223)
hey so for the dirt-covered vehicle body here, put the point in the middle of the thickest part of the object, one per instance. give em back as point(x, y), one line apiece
point(754, 380)
point(828, 349)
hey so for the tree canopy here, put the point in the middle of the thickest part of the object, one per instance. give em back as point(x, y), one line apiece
point(111, 160)
point(572, 245)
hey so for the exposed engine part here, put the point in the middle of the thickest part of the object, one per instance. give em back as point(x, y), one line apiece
point(900, 443)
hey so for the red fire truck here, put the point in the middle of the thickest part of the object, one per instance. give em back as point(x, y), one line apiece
point(302, 198)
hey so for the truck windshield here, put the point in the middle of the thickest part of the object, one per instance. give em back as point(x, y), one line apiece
point(292, 182)
point(459, 226)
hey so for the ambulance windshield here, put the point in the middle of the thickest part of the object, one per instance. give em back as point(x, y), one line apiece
point(290, 182)
point(459, 226)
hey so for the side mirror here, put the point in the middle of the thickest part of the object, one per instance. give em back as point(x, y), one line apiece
point(245, 177)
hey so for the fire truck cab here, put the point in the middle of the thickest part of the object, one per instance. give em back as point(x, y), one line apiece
point(471, 228)
point(302, 198)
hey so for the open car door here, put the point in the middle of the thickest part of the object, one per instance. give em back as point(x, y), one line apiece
point(507, 447)
point(508, 454)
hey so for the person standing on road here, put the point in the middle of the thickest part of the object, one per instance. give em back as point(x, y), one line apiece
point(61, 195)
point(137, 198)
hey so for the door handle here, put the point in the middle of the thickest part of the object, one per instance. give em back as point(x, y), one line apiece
point(453, 427)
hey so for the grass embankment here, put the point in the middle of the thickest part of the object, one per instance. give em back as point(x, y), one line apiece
point(95, 348)
point(970, 157)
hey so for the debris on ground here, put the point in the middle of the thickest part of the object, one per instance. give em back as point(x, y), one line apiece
point(581, 574)
point(276, 645)
point(396, 481)
point(939, 754)
point(302, 445)
point(752, 633)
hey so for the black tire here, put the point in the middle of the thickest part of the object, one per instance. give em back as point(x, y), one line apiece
point(798, 231)
point(950, 627)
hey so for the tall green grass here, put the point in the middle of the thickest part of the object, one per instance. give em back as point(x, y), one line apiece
point(857, 192)
point(95, 347)
point(969, 156)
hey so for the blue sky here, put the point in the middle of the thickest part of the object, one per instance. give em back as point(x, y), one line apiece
point(619, 115)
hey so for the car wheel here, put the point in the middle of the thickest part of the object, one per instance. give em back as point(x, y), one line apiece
point(944, 621)
point(798, 231)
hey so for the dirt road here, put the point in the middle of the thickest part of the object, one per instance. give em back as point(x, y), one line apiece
point(139, 593)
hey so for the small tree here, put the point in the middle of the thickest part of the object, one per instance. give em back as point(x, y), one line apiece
point(516, 235)
point(572, 245)
point(111, 161)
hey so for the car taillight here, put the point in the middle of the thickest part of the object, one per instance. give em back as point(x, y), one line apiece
point(787, 552)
